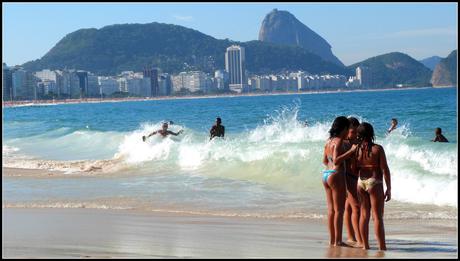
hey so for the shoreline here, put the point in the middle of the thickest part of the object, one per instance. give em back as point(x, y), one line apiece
point(6, 104)
point(99, 233)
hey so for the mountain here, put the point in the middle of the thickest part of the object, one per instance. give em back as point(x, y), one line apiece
point(282, 27)
point(445, 73)
point(173, 48)
point(431, 62)
point(390, 69)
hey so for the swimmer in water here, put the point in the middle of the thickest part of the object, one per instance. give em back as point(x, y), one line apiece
point(163, 132)
point(439, 137)
point(394, 123)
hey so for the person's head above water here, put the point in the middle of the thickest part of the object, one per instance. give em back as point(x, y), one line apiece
point(438, 131)
point(165, 126)
point(339, 127)
point(218, 120)
point(394, 121)
point(365, 132)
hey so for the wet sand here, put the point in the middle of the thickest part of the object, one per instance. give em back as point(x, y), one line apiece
point(76, 233)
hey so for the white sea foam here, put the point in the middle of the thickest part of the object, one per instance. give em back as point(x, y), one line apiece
point(281, 152)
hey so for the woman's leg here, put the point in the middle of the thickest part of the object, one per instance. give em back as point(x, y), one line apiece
point(338, 197)
point(377, 202)
point(364, 218)
point(330, 214)
point(347, 220)
point(353, 201)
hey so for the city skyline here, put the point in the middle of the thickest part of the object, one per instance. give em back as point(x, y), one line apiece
point(420, 30)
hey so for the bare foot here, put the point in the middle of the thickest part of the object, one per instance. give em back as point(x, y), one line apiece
point(342, 244)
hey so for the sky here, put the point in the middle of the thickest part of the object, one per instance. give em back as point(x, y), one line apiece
point(356, 31)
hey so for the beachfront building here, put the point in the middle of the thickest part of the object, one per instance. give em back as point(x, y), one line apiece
point(235, 65)
point(221, 80)
point(108, 85)
point(94, 90)
point(152, 73)
point(192, 82)
point(165, 85)
point(7, 89)
point(24, 85)
point(363, 74)
point(353, 82)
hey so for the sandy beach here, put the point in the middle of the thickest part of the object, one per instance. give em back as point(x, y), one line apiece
point(98, 100)
point(108, 233)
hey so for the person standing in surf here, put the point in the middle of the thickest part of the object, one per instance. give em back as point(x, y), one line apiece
point(334, 177)
point(217, 130)
point(352, 205)
point(372, 167)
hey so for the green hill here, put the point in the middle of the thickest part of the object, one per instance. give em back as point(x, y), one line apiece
point(445, 72)
point(173, 48)
point(390, 69)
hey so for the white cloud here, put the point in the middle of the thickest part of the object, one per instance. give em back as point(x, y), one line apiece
point(183, 17)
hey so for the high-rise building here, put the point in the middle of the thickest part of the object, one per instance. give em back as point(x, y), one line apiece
point(94, 89)
point(222, 80)
point(235, 65)
point(152, 73)
point(24, 85)
point(83, 83)
point(363, 74)
point(108, 85)
point(165, 84)
point(7, 83)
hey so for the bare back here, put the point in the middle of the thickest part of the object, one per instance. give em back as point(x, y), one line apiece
point(329, 153)
point(368, 162)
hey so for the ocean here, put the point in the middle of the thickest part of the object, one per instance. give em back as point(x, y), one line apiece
point(269, 164)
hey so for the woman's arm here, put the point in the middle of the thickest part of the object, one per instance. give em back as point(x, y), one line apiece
point(386, 172)
point(339, 159)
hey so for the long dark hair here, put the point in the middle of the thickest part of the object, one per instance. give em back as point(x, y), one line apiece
point(365, 133)
point(353, 122)
point(340, 123)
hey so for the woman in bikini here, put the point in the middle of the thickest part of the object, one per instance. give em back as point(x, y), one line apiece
point(352, 205)
point(372, 168)
point(334, 177)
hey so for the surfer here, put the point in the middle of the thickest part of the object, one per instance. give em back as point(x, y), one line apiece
point(163, 132)
point(217, 130)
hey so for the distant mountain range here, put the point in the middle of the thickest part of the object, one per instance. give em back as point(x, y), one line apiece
point(431, 62)
point(173, 48)
point(445, 72)
point(396, 68)
point(285, 45)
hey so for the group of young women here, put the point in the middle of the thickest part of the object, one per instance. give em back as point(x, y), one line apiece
point(353, 180)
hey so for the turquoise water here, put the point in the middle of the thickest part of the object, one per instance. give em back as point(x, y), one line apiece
point(268, 165)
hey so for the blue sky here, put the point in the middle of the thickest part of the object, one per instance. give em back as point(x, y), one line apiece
point(356, 31)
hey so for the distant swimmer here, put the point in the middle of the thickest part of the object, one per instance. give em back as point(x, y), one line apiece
point(217, 130)
point(394, 123)
point(439, 137)
point(305, 123)
point(163, 132)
